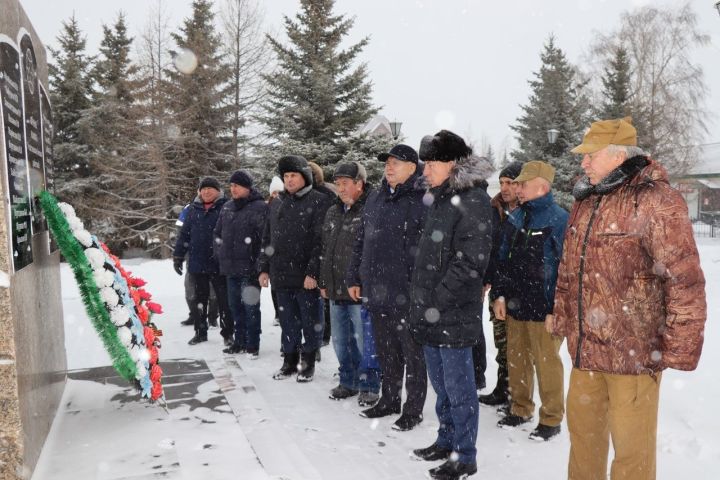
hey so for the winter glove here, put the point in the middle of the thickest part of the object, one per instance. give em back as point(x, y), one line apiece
point(178, 265)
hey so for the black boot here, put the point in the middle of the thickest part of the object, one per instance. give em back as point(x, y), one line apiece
point(307, 367)
point(289, 366)
point(494, 398)
point(451, 470)
point(432, 453)
point(199, 337)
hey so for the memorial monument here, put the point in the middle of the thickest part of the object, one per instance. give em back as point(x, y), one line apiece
point(32, 341)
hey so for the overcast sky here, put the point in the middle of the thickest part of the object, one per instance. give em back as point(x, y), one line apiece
point(458, 64)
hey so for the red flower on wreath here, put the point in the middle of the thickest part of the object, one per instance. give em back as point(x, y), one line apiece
point(144, 295)
point(154, 307)
point(156, 391)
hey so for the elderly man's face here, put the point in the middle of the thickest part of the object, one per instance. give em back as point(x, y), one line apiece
point(398, 171)
point(348, 190)
point(599, 164)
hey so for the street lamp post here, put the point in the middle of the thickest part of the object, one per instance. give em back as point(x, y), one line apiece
point(717, 6)
point(553, 135)
point(395, 129)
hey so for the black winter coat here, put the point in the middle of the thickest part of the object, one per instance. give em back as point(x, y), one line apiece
point(196, 237)
point(339, 232)
point(453, 254)
point(292, 238)
point(386, 244)
point(238, 235)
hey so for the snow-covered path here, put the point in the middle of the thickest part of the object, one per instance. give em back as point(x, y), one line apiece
point(228, 419)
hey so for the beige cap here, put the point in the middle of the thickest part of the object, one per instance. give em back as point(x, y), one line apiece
point(535, 169)
point(608, 132)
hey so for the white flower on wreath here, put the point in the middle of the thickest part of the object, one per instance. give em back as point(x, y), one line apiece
point(96, 257)
point(103, 278)
point(135, 352)
point(125, 336)
point(67, 210)
point(119, 315)
point(84, 237)
point(109, 296)
point(141, 370)
point(75, 223)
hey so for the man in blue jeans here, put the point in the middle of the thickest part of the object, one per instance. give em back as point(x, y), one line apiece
point(446, 294)
point(339, 232)
point(238, 235)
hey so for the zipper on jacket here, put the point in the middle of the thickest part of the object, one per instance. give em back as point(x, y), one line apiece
point(580, 281)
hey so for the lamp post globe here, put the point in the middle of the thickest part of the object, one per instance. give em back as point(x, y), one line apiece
point(395, 129)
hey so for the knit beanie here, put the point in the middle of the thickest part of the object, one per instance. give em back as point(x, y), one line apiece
point(511, 170)
point(242, 178)
point(209, 182)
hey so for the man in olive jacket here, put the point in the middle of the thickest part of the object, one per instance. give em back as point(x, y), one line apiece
point(447, 294)
point(630, 300)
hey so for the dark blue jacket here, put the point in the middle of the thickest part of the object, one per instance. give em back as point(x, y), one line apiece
point(530, 252)
point(292, 238)
point(196, 237)
point(386, 244)
point(238, 235)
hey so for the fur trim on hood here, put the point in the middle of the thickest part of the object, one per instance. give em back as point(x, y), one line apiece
point(470, 171)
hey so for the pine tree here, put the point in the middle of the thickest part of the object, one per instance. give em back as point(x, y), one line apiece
point(70, 92)
point(490, 154)
point(198, 101)
point(616, 87)
point(556, 102)
point(314, 96)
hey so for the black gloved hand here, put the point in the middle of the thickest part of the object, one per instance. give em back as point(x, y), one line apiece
point(178, 265)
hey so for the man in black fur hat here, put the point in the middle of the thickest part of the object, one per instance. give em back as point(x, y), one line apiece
point(292, 245)
point(446, 294)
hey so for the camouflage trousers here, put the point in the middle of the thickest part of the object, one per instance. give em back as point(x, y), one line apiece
point(500, 340)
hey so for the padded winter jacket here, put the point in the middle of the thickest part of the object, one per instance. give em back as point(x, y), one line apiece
point(196, 237)
point(238, 235)
point(386, 244)
point(453, 253)
point(631, 294)
point(292, 238)
point(339, 232)
point(530, 250)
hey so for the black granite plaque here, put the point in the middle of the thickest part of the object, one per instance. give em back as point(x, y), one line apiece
point(14, 133)
point(47, 140)
point(33, 129)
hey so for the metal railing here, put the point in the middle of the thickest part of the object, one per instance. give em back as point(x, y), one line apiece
point(709, 230)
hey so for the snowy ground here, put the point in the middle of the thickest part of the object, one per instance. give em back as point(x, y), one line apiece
point(227, 419)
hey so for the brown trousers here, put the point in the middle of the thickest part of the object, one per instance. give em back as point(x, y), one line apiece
point(530, 350)
point(622, 407)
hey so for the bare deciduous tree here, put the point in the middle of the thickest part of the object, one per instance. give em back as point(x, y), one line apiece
point(249, 57)
point(667, 89)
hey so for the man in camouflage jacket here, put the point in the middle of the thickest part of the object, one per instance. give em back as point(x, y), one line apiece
point(630, 300)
